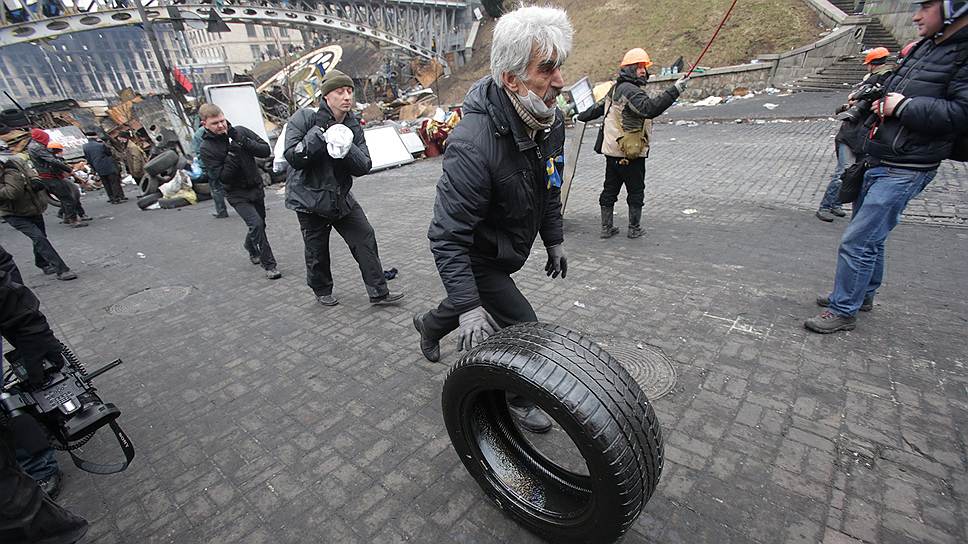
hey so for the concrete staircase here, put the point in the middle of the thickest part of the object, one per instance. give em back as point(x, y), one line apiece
point(846, 72)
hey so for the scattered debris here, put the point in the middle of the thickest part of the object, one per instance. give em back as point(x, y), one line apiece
point(771, 106)
point(579, 304)
point(690, 211)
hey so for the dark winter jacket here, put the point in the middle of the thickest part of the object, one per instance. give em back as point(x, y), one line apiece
point(99, 157)
point(230, 158)
point(317, 183)
point(926, 123)
point(494, 196)
point(17, 194)
point(634, 107)
point(854, 133)
point(47, 165)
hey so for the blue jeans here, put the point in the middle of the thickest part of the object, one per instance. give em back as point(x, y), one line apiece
point(40, 465)
point(218, 195)
point(845, 158)
point(860, 259)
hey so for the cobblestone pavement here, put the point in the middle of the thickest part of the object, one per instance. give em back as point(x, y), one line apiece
point(260, 416)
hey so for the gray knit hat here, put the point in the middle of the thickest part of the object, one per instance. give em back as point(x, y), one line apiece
point(334, 79)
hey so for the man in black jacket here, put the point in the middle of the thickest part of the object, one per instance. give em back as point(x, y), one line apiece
point(228, 154)
point(326, 150)
point(27, 513)
point(500, 189)
point(98, 155)
point(52, 171)
point(914, 128)
point(628, 111)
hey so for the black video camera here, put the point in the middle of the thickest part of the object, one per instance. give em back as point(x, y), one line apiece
point(66, 405)
point(863, 97)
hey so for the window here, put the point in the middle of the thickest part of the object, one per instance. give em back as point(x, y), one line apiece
point(250, 30)
point(284, 32)
point(255, 51)
point(267, 31)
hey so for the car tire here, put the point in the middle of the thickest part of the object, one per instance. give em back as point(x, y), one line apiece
point(591, 398)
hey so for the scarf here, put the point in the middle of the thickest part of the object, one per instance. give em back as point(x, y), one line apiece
point(526, 116)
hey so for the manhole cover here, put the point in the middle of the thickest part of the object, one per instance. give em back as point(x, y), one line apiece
point(149, 300)
point(650, 368)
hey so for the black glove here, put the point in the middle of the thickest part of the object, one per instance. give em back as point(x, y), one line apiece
point(557, 262)
point(37, 186)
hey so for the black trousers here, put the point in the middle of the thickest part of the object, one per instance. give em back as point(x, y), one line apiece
point(499, 296)
point(358, 234)
point(112, 186)
point(251, 207)
point(45, 256)
point(65, 194)
point(632, 175)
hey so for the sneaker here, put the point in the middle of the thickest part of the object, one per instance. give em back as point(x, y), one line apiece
point(222, 215)
point(838, 211)
point(608, 231)
point(635, 232)
point(828, 322)
point(429, 348)
point(273, 274)
point(865, 306)
point(531, 418)
point(52, 484)
point(387, 299)
point(50, 271)
point(327, 300)
point(66, 275)
point(825, 215)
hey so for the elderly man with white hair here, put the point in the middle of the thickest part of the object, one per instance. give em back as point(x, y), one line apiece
point(500, 188)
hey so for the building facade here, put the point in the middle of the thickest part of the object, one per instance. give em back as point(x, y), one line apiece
point(246, 45)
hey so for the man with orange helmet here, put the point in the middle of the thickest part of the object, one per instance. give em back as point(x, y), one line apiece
point(850, 137)
point(624, 137)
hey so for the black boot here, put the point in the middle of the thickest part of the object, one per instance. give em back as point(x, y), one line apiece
point(55, 525)
point(608, 227)
point(635, 220)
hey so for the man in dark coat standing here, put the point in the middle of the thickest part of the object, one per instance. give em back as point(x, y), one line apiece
point(52, 170)
point(98, 155)
point(326, 150)
point(228, 154)
point(22, 204)
point(914, 127)
point(500, 189)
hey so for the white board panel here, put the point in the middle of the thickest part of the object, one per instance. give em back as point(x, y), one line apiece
point(412, 141)
point(386, 148)
point(240, 105)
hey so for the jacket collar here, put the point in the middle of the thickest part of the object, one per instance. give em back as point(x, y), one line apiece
point(955, 31)
point(326, 117)
point(492, 99)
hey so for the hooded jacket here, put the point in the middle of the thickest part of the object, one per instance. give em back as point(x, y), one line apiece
point(47, 165)
point(626, 108)
point(230, 158)
point(495, 194)
point(933, 78)
point(17, 195)
point(317, 183)
point(99, 157)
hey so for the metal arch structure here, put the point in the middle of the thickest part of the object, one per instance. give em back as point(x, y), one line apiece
point(425, 28)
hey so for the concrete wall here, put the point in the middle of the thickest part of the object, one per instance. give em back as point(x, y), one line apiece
point(718, 81)
point(895, 15)
point(809, 59)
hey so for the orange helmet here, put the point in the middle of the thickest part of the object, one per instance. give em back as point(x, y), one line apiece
point(55, 146)
point(878, 55)
point(636, 56)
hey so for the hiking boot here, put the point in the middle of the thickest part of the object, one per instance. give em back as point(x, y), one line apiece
point(387, 299)
point(273, 274)
point(429, 348)
point(52, 484)
point(828, 322)
point(53, 524)
point(635, 220)
point(825, 214)
point(66, 275)
point(531, 418)
point(865, 306)
point(608, 222)
point(327, 300)
point(838, 211)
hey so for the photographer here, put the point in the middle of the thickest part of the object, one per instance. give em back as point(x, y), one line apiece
point(228, 154)
point(851, 135)
point(915, 126)
point(27, 514)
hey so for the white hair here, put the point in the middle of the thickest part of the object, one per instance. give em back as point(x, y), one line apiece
point(518, 33)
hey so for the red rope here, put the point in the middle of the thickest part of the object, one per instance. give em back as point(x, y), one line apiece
point(720, 27)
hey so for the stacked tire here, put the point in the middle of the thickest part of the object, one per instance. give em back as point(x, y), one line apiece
point(591, 397)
